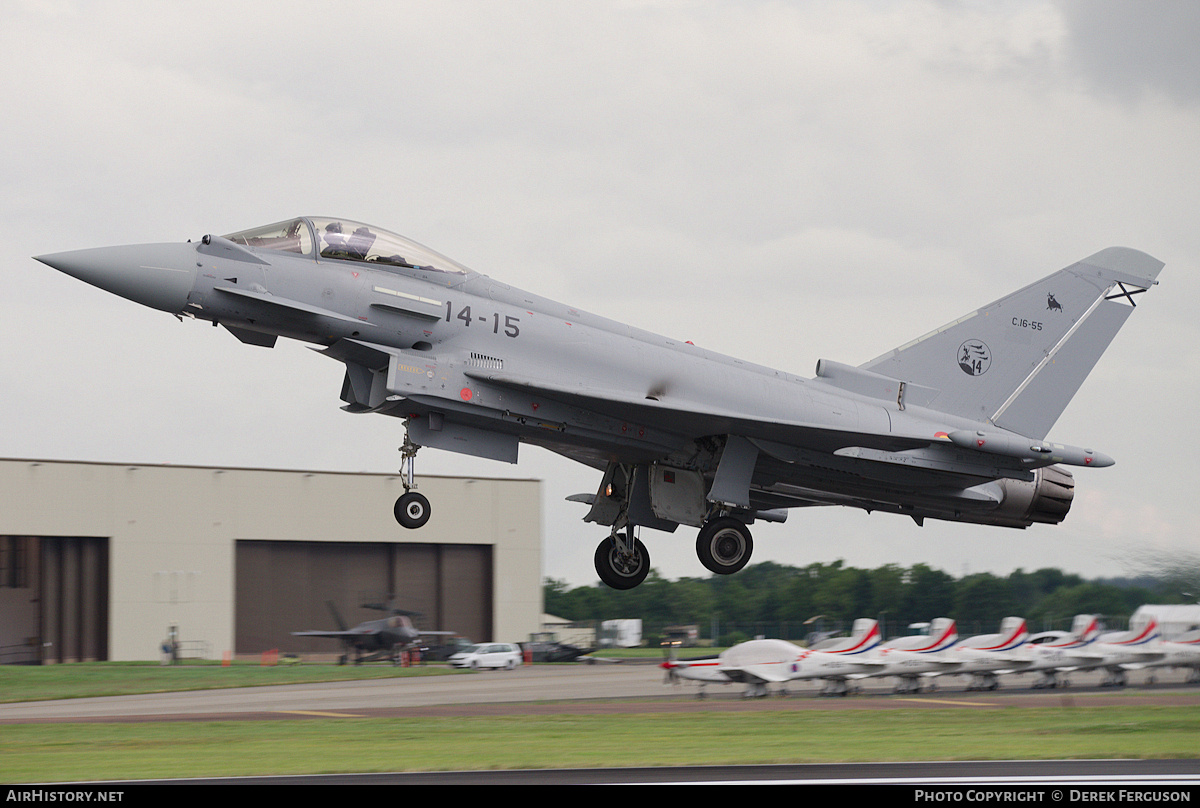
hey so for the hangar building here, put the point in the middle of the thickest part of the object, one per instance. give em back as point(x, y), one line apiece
point(102, 561)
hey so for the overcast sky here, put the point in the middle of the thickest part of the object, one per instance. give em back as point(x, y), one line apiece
point(776, 181)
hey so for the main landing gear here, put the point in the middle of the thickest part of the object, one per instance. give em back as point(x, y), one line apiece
point(631, 496)
point(411, 509)
point(724, 545)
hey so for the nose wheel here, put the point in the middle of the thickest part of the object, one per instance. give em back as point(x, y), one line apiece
point(411, 509)
point(622, 561)
point(724, 545)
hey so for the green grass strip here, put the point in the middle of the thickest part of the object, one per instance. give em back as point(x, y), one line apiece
point(42, 682)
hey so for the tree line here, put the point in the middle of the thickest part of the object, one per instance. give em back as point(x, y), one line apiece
point(790, 603)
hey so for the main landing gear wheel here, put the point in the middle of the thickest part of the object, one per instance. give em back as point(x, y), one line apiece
point(412, 510)
point(622, 569)
point(724, 545)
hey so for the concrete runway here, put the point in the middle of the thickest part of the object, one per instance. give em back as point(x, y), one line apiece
point(529, 684)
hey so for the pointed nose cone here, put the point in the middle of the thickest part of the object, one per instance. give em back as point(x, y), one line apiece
point(155, 275)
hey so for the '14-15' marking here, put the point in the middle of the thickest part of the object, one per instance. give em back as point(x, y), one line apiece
point(511, 329)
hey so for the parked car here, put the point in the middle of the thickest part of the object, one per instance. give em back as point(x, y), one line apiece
point(545, 647)
point(488, 655)
point(443, 651)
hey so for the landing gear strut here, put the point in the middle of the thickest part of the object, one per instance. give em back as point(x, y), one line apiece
point(724, 545)
point(411, 509)
point(622, 561)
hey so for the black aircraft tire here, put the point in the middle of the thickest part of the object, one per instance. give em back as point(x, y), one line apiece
point(412, 510)
point(724, 545)
point(622, 573)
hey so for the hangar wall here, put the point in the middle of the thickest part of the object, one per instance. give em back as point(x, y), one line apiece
point(172, 534)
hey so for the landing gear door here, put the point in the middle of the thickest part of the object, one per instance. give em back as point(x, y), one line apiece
point(624, 499)
point(677, 495)
point(606, 508)
point(444, 434)
point(731, 485)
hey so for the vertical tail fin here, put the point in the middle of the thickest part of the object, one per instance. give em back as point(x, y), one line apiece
point(944, 633)
point(1085, 628)
point(337, 618)
point(1141, 635)
point(864, 635)
point(1018, 361)
point(1013, 633)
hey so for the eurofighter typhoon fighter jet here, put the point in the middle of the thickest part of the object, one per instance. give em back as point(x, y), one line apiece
point(949, 426)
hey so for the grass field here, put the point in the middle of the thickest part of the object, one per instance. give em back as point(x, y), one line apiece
point(39, 682)
point(64, 752)
point(90, 751)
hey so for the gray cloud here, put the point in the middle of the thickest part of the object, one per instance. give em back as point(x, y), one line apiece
point(1135, 50)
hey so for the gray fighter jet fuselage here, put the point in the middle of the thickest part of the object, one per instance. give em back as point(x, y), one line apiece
point(950, 426)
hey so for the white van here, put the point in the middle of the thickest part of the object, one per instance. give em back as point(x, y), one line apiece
point(488, 655)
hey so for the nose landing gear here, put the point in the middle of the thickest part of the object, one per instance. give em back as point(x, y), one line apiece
point(411, 509)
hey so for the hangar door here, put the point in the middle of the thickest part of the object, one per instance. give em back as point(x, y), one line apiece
point(285, 586)
point(53, 599)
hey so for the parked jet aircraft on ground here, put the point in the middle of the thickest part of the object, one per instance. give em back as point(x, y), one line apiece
point(375, 639)
point(759, 663)
point(949, 426)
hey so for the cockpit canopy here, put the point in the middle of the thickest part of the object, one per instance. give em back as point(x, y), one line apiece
point(344, 240)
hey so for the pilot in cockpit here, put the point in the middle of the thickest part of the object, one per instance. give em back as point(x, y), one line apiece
point(334, 240)
point(360, 243)
point(354, 247)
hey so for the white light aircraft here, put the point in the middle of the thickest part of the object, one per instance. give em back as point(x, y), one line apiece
point(1182, 652)
point(1054, 653)
point(911, 658)
point(1120, 651)
point(984, 656)
point(760, 663)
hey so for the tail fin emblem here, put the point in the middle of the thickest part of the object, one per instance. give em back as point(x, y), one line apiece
point(974, 357)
